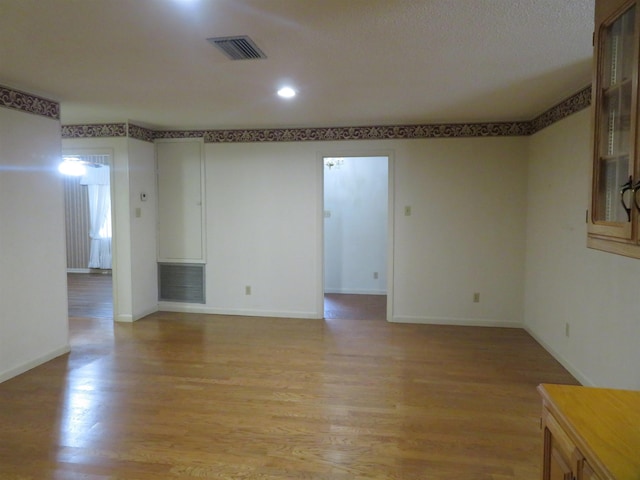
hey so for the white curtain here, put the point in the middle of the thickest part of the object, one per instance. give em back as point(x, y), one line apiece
point(97, 181)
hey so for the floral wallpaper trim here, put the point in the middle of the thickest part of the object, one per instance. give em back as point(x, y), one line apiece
point(573, 104)
point(29, 103)
point(179, 133)
point(140, 133)
point(95, 130)
point(569, 106)
point(370, 133)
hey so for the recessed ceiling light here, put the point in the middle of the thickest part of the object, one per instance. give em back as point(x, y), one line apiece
point(287, 92)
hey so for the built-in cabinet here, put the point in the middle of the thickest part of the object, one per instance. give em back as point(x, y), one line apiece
point(562, 460)
point(181, 218)
point(614, 214)
point(590, 433)
point(180, 201)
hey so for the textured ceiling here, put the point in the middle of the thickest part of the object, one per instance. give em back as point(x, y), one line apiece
point(354, 62)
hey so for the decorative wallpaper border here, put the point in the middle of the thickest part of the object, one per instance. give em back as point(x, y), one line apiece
point(95, 130)
point(569, 106)
point(140, 133)
point(369, 132)
point(26, 102)
point(179, 133)
point(573, 104)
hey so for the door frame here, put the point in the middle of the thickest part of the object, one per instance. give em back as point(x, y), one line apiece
point(390, 220)
point(70, 151)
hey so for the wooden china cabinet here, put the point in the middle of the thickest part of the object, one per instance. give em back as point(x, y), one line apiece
point(614, 216)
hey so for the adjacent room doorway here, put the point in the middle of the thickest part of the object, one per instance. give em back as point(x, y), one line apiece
point(88, 224)
point(356, 237)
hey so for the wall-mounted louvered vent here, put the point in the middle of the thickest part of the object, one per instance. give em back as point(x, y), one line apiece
point(238, 48)
point(181, 282)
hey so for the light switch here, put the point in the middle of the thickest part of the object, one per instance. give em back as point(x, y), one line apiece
point(138, 212)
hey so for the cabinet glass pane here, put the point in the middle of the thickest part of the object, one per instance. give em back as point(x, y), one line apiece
point(614, 121)
point(614, 172)
point(618, 50)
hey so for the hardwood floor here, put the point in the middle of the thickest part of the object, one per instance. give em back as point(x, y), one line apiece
point(176, 396)
point(90, 295)
point(355, 307)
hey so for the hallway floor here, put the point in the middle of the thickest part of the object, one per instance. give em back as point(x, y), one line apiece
point(355, 307)
point(90, 295)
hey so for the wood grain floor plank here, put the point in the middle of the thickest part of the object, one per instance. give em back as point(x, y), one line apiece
point(181, 396)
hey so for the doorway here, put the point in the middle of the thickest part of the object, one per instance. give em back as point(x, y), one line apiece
point(356, 236)
point(88, 192)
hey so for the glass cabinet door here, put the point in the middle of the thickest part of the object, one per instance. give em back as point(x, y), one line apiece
point(615, 123)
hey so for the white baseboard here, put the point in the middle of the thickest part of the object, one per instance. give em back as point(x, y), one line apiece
point(124, 318)
point(581, 377)
point(127, 318)
point(144, 313)
point(196, 308)
point(20, 369)
point(103, 271)
point(466, 322)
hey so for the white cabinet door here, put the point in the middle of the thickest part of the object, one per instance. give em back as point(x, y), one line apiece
point(180, 201)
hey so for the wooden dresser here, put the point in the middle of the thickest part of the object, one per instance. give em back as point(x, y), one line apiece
point(590, 433)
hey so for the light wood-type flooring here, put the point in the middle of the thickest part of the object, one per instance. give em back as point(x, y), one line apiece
point(90, 295)
point(355, 307)
point(180, 396)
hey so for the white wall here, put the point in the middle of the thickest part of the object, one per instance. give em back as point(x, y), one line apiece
point(355, 226)
point(121, 246)
point(595, 292)
point(144, 276)
point(465, 235)
point(263, 217)
point(33, 287)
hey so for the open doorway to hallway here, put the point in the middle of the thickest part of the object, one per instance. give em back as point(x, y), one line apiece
point(356, 209)
point(88, 226)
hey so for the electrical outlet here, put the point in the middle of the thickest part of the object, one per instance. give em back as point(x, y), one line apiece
point(375, 275)
point(476, 297)
point(247, 290)
point(407, 210)
point(566, 329)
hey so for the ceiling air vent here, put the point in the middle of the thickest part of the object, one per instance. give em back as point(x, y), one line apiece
point(237, 48)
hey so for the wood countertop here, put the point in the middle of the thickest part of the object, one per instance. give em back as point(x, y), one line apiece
point(603, 423)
